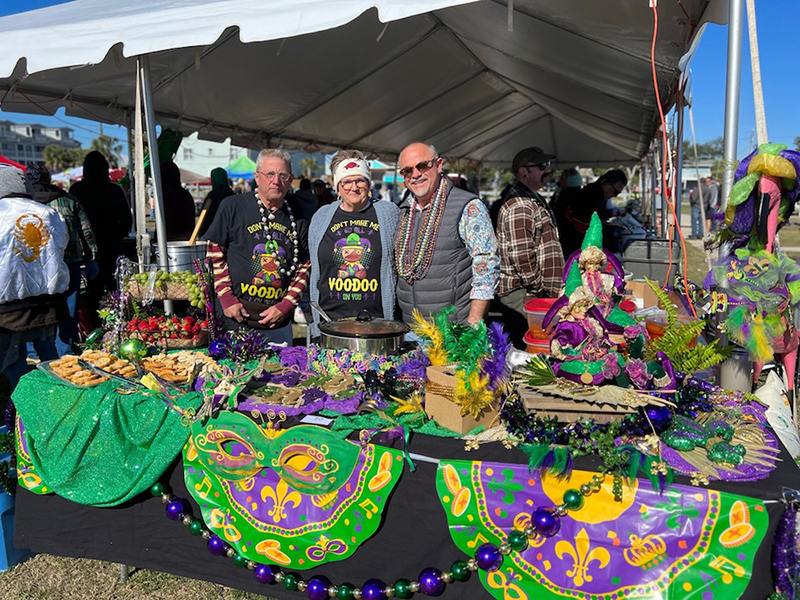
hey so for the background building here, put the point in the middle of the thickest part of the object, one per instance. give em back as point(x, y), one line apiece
point(201, 156)
point(25, 142)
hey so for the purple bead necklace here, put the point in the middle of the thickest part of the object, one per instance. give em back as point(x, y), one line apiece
point(545, 522)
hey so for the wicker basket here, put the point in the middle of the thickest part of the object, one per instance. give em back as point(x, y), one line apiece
point(138, 291)
point(176, 291)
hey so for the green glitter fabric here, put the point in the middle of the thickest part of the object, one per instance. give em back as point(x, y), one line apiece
point(97, 446)
point(345, 425)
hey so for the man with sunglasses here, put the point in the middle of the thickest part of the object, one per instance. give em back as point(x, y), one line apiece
point(576, 210)
point(445, 248)
point(531, 262)
point(258, 249)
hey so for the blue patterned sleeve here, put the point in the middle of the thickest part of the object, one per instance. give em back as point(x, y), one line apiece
point(475, 230)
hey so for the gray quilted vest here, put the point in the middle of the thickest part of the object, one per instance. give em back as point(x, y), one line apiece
point(449, 278)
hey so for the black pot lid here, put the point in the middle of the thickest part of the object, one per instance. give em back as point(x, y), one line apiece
point(364, 326)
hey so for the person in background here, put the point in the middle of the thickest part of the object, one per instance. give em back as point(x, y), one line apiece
point(80, 253)
point(258, 250)
point(220, 189)
point(306, 199)
point(110, 216)
point(322, 193)
point(353, 241)
point(445, 249)
point(578, 208)
point(34, 276)
point(711, 199)
point(179, 212)
point(694, 205)
point(531, 260)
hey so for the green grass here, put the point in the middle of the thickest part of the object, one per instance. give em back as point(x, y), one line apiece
point(46, 577)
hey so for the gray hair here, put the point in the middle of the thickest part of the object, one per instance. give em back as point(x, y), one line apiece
point(430, 148)
point(343, 155)
point(274, 153)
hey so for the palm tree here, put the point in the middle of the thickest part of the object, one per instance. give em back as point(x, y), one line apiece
point(106, 146)
point(308, 165)
point(55, 158)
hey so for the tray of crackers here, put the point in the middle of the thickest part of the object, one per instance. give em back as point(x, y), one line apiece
point(179, 367)
point(69, 371)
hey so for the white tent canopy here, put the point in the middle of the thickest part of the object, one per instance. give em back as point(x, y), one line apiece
point(573, 77)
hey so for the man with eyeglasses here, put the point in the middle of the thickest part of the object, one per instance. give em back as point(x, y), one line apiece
point(258, 249)
point(531, 262)
point(575, 212)
point(445, 248)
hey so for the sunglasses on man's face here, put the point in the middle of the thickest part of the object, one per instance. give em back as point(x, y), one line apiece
point(541, 166)
point(421, 167)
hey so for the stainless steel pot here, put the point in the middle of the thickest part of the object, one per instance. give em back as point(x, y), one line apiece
point(363, 334)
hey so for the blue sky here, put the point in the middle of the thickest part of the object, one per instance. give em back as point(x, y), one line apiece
point(777, 47)
point(781, 86)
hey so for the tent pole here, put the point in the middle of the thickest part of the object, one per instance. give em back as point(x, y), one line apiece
point(143, 63)
point(732, 86)
point(678, 196)
point(131, 200)
point(699, 195)
point(139, 177)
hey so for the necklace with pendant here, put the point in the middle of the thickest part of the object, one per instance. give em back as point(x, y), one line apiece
point(265, 219)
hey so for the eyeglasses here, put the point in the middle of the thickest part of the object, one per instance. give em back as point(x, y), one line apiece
point(541, 166)
point(282, 175)
point(616, 191)
point(421, 167)
point(351, 183)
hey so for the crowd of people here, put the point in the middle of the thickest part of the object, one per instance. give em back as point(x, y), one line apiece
point(440, 247)
point(347, 248)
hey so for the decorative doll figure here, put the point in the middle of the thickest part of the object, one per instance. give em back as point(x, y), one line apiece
point(592, 264)
point(580, 342)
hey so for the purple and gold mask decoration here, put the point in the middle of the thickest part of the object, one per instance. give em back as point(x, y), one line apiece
point(679, 544)
point(298, 497)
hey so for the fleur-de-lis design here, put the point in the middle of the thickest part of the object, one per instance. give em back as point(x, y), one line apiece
point(582, 557)
point(507, 486)
point(281, 495)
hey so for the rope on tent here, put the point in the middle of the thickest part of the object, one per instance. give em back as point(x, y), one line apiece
point(666, 149)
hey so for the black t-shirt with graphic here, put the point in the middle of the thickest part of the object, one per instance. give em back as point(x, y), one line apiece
point(258, 252)
point(350, 264)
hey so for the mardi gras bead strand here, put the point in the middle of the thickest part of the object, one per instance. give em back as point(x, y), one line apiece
point(293, 238)
point(413, 266)
point(545, 522)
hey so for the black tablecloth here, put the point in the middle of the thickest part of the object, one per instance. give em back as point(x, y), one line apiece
point(413, 535)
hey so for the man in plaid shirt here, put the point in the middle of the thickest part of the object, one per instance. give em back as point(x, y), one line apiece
point(531, 260)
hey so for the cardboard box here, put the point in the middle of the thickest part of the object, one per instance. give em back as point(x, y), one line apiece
point(440, 408)
point(641, 293)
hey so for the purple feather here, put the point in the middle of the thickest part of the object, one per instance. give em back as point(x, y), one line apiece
point(414, 367)
point(496, 366)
